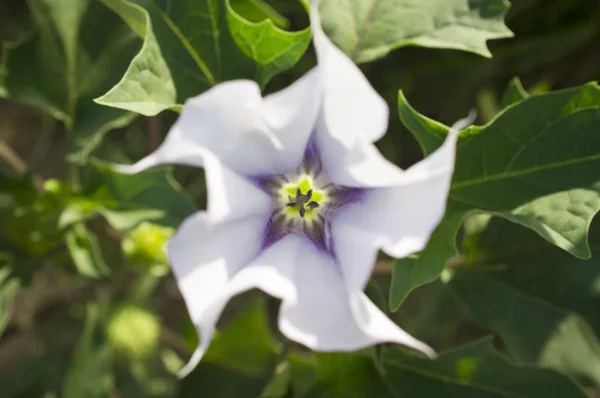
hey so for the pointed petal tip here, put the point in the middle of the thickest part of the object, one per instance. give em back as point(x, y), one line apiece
point(464, 122)
point(192, 363)
point(127, 168)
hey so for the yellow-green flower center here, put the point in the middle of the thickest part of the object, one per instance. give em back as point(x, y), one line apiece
point(301, 199)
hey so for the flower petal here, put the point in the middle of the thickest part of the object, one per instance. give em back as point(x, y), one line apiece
point(355, 164)
point(231, 196)
point(399, 219)
point(205, 255)
point(326, 316)
point(352, 109)
point(269, 271)
point(250, 135)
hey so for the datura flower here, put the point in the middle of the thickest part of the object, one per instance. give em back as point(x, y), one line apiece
point(299, 203)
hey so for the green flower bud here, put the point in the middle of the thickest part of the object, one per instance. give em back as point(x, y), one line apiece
point(144, 246)
point(133, 332)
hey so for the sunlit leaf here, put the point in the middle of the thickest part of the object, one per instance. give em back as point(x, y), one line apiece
point(190, 46)
point(369, 29)
point(534, 164)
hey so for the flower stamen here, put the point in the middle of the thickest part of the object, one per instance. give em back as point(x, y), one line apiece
point(301, 200)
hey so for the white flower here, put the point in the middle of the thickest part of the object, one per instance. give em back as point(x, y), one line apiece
point(299, 203)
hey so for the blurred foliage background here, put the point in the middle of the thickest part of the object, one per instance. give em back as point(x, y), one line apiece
point(97, 313)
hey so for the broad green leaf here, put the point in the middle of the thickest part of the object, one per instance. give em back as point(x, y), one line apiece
point(126, 200)
point(534, 164)
point(541, 301)
point(414, 271)
point(64, 64)
point(240, 361)
point(147, 86)
point(190, 46)
point(259, 10)
point(369, 29)
point(273, 49)
point(85, 252)
point(474, 370)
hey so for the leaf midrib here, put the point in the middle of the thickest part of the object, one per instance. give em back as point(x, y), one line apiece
point(364, 30)
point(518, 173)
point(186, 44)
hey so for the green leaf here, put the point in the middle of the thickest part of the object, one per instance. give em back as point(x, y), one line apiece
point(29, 218)
point(85, 251)
point(414, 271)
point(240, 360)
point(540, 300)
point(369, 29)
point(190, 46)
point(9, 286)
point(348, 375)
point(514, 93)
point(259, 10)
point(147, 87)
point(64, 64)
point(126, 200)
point(90, 373)
point(474, 370)
point(534, 164)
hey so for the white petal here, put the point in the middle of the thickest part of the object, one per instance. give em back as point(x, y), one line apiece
point(231, 196)
point(250, 135)
point(356, 250)
point(352, 117)
point(204, 256)
point(354, 164)
point(271, 271)
point(326, 316)
point(399, 219)
point(352, 108)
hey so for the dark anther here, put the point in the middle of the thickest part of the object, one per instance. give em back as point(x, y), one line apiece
point(302, 200)
point(291, 203)
point(312, 205)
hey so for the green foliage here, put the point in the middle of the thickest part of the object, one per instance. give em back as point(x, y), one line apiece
point(88, 307)
point(369, 29)
point(190, 46)
point(240, 360)
point(534, 164)
point(540, 300)
point(475, 370)
point(9, 286)
point(85, 252)
point(126, 200)
point(64, 64)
